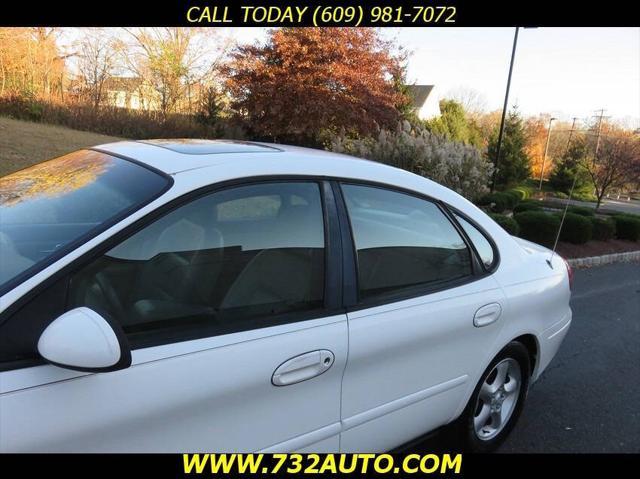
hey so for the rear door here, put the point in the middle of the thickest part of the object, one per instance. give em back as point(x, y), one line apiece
point(229, 303)
point(414, 349)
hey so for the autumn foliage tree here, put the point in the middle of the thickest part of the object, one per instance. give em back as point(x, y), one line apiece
point(536, 131)
point(616, 163)
point(303, 81)
point(31, 63)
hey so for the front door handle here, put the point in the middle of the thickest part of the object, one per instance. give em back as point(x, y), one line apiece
point(487, 314)
point(303, 367)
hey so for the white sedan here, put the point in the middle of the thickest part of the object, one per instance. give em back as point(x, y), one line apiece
point(187, 295)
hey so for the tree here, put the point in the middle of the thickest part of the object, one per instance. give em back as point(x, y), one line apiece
point(210, 107)
point(31, 63)
point(97, 60)
point(614, 162)
point(454, 124)
point(304, 81)
point(173, 60)
point(569, 168)
point(514, 164)
point(537, 129)
point(473, 102)
point(486, 124)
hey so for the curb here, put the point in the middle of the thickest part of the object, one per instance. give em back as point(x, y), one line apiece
point(604, 259)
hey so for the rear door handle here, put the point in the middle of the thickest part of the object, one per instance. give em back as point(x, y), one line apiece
point(486, 315)
point(303, 367)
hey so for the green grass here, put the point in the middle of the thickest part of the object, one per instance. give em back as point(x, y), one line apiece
point(24, 143)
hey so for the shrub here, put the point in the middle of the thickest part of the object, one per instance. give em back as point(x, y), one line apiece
point(627, 227)
point(499, 202)
point(604, 229)
point(524, 192)
point(527, 206)
point(516, 195)
point(508, 224)
point(109, 120)
point(581, 210)
point(453, 164)
point(538, 226)
point(510, 199)
point(561, 195)
point(576, 229)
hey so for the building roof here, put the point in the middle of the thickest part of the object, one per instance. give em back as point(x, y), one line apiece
point(419, 94)
point(117, 83)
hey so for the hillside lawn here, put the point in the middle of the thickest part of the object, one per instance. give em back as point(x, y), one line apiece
point(24, 143)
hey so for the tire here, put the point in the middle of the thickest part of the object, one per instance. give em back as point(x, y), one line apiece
point(482, 433)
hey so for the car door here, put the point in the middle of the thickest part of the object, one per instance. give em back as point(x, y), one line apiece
point(228, 302)
point(414, 349)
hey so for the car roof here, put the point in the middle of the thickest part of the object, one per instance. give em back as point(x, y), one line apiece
point(179, 155)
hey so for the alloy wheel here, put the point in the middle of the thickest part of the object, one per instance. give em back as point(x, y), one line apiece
point(497, 399)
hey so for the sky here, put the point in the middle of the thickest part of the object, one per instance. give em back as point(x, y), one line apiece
point(565, 72)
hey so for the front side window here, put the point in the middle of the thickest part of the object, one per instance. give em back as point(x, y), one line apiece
point(402, 242)
point(232, 260)
point(49, 206)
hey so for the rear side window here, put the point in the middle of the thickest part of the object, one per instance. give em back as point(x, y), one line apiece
point(480, 241)
point(402, 242)
point(241, 258)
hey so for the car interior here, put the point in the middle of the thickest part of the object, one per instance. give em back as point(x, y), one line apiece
point(202, 263)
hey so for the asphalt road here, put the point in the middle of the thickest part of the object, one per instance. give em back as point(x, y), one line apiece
point(588, 399)
point(624, 206)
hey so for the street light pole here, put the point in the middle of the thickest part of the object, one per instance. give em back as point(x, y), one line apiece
point(546, 148)
point(504, 112)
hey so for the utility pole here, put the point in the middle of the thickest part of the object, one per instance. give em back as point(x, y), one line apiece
point(573, 128)
point(504, 112)
point(600, 118)
point(595, 156)
point(546, 148)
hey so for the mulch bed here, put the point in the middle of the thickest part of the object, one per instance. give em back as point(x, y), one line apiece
point(596, 248)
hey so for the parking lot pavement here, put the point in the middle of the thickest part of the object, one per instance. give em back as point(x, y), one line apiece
point(632, 206)
point(588, 399)
point(623, 206)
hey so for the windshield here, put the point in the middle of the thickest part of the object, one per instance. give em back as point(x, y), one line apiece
point(49, 208)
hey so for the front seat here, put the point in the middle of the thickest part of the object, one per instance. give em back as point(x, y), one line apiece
point(285, 273)
point(169, 281)
point(273, 277)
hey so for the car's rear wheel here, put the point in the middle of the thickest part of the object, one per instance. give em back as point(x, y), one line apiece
point(497, 400)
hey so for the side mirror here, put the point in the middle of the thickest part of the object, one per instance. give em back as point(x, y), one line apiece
point(83, 340)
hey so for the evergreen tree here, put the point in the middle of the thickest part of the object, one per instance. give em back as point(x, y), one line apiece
point(568, 166)
point(454, 124)
point(514, 165)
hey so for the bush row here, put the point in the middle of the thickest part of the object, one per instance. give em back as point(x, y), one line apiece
point(501, 201)
point(509, 224)
point(122, 122)
point(580, 225)
point(627, 226)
